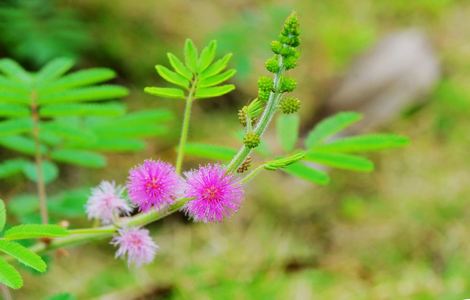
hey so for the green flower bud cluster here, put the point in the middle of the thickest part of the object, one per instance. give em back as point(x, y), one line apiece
point(290, 32)
point(289, 105)
point(288, 84)
point(272, 64)
point(251, 140)
point(265, 83)
point(263, 95)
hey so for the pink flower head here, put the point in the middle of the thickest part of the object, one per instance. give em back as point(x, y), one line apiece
point(216, 194)
point(106, 202)
point(153, 184)
point(136, 244)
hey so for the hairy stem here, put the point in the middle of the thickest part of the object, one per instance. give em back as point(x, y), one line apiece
point(40, 183)
point(185, 127)
point(6, 294)
point(264, 121)
point(84, 235)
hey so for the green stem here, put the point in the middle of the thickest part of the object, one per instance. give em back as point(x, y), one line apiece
point(252, 174)
point(84, 235)
point(40, 183)
point(185, 127)
point(264, 121)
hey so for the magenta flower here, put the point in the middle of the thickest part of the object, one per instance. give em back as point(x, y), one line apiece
point(136, 244)
point(153, 184)
point(106, 202)
point(216, 194)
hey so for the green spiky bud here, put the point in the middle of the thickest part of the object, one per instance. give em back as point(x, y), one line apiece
point(291, 26)
point(289, 105)
point(263, 95)
point(276, 47)
point(265, 83)
point(272, 64)
point(290, 62)
point(251, 140)
point(289, 51)
point(288, 84)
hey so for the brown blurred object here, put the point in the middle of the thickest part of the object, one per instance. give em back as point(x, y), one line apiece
point(395, 74)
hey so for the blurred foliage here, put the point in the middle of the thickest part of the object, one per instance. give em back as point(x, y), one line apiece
point(37, 31)
point(401, 233)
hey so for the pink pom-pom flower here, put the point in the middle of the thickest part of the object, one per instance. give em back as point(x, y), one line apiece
point(153, 184)
point(106, 202)
point(216, 194)
point(136, 244)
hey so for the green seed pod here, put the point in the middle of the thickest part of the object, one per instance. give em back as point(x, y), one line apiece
point(276, 47)
point(289, 105)
point(251, 140)
point(263, 95)
point(242, 115)
point(288, 84)
point(265, 83)
point(272, 64)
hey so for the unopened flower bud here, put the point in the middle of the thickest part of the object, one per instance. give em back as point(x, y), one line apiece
point(289, 105)
point(251, 140)
point(290, 62)
point(276, 47)
point(288, 84)
point(263, 95)
point(272, 65)
point(265, 83)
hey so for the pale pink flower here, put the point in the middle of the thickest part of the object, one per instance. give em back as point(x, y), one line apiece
point(136, 244)
point(106, 202)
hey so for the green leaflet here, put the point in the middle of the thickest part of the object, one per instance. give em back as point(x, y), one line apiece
point(34, 231)
point(364, 143)
point(55, 68)
point(12, 167)
point(283, 161)
point(172, 77)
point(165, 92)
point(216, 67)
point(85, 110)
point(95, 93)
point(213, 152)
point(23, 255)
point(13, 110)
point(330, 126)
point(216, 79)
point(77, 79)
point(9, 276)
point(207, 56)
point(287, 127)
point(190, 55)
point(300, 170)
point(341, 161)
point(15, 126)
point(179, 67)
point(211, 92)
point(21, 144)
point(49, 171)
point(14, 71)
point(79, 157)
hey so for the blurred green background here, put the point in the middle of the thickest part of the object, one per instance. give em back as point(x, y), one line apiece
point(401, 232)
